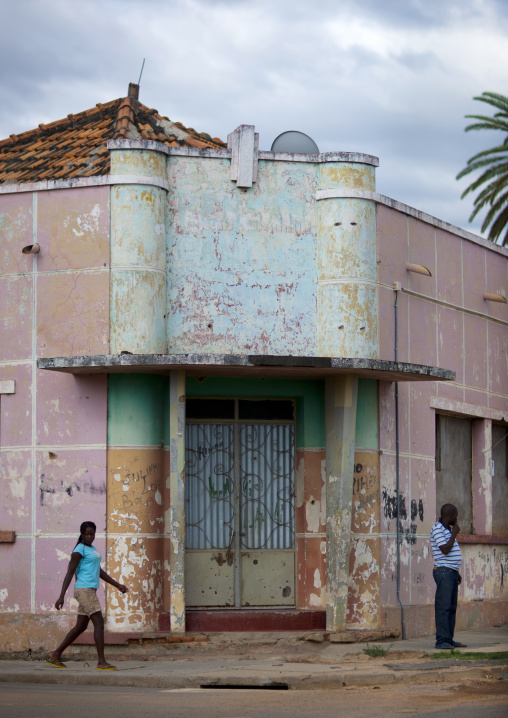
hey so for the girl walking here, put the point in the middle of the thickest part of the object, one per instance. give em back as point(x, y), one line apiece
point(86, 564)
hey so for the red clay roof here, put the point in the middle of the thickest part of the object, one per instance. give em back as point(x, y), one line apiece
point(76, 145)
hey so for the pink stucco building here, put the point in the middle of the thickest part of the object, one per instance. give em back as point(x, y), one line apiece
point(203, 357)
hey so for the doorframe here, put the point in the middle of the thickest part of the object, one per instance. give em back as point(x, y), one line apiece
point(236, 422)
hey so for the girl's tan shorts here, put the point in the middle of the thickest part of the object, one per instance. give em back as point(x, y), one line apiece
point(88, 603)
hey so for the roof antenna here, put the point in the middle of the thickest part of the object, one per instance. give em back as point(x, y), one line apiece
point(142, 66)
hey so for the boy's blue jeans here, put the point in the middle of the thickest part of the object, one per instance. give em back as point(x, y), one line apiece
point(447, 589)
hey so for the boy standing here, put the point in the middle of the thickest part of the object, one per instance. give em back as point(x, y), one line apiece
point(447, 560)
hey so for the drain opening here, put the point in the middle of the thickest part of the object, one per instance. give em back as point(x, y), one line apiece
point(244, 687)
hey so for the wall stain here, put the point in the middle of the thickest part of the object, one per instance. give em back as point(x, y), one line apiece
point(86, 487)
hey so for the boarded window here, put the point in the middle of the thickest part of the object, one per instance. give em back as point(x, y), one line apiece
point(454, 468)
point(500, 480)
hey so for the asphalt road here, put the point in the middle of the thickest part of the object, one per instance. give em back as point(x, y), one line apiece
point(490, 700)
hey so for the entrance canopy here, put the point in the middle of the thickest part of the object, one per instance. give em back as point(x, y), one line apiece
point(246, 365)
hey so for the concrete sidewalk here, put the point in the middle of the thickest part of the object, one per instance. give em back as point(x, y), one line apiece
point(295, 662)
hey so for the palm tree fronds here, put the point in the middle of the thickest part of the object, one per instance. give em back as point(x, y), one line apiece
point(484, 153)
point(484, 125)
point(489, 174)
point(494, 99)
point(494, 163)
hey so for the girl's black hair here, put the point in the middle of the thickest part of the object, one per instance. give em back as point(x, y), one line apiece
point(84, 526)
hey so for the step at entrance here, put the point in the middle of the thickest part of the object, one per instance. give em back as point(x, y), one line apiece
point(248, 620)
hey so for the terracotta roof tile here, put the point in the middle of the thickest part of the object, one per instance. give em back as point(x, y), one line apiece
point(76, 145)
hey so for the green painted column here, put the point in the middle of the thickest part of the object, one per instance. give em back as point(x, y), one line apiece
point(175, 516)
point(340, 419)
point(135, 499)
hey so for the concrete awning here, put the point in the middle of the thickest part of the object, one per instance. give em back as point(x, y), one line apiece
point(246, 365)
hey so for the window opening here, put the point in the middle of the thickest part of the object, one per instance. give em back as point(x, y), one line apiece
point(454, 468)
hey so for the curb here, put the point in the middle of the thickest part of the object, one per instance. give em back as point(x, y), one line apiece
point(284, 681)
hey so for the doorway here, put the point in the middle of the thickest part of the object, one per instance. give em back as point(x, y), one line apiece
point(239, 503)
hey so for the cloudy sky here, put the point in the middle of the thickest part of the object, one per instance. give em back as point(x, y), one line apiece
point(392, 78)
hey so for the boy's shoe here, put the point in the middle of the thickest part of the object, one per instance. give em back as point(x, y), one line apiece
point(445, 647)
point(457, 644)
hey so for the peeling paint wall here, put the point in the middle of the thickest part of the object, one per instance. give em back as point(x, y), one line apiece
point(137, 495)
point(485, 572)
point(347, 310)
point(175, 514)
point(73, 272)
point(340, 413)
point(365, 557)
point(307, 269)
point(364, 597)
point(189, 262)
point(445, 321)
point(310, 515)
point(53, 427)
point(230, 249)
point(138, 255)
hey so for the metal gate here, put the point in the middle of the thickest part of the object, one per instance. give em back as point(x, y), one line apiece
point(239, 498)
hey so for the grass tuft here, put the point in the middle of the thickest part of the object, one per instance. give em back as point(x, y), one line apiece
point(469, 656)
point(375, 651)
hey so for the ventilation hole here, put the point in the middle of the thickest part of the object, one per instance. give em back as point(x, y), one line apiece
point(341, 326)
point(354, 224)
point(337, 224)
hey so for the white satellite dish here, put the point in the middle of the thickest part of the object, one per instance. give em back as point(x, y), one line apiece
point(294, 141)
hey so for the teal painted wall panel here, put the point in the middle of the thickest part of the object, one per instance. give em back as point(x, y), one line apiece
point(136, 409)
point(138, 226)
point(242, 265)
point(138, 406)
point(367, 431)
point(137, 302)
point(309, 396)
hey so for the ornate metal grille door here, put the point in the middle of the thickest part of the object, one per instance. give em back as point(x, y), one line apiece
point(239, 494)
point(267, 503)
point(209, 485)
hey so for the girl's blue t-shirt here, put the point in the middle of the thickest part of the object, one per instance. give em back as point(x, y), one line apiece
point(89, 568)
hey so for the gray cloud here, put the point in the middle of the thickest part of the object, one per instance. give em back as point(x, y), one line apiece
point(393, 79)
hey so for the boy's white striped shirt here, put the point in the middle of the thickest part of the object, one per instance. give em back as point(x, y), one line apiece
point(439, 536)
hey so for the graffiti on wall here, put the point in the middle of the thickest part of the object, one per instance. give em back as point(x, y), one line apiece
point(366, 493)
point(62, 489)
point(146, 484)
point(135, 489)
point(391, 511)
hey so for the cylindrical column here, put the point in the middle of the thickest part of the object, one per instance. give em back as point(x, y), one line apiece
point(347, 305)
point(138, 254)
